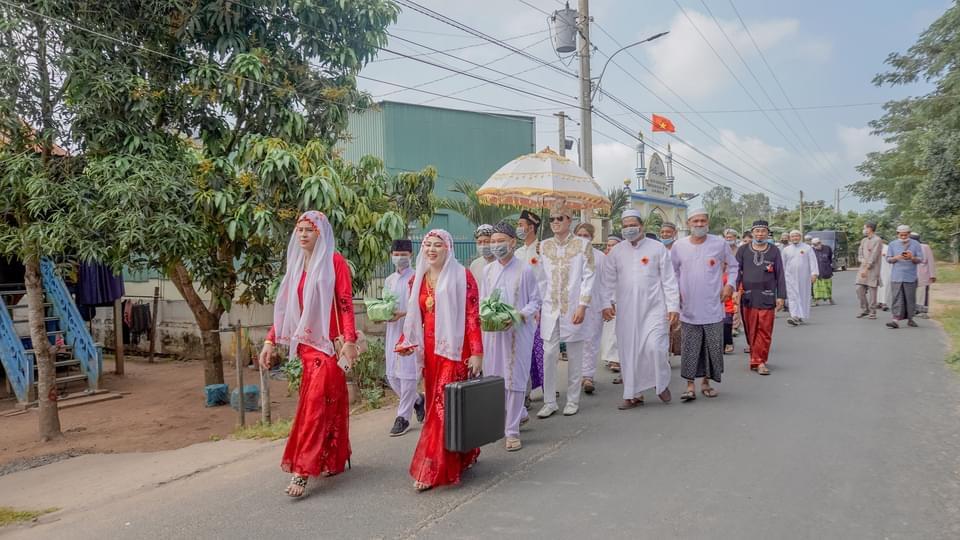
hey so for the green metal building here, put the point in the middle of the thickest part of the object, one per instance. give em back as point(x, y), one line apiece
point(462, 145)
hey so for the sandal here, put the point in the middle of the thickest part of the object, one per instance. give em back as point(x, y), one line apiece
point(588, 385)
point(763, 370)
point(297, 487)
point(618, 380)
point(615, 367)
point(709, 392)
point(421, 487)
point(728, 349)
point(513, 444)
point(665, 396)
point(630, 404)
point(689, 395)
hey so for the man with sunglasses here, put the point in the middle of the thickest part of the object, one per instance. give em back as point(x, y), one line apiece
point(568, 269)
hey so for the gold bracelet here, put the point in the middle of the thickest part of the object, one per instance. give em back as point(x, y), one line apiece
point(268, 342)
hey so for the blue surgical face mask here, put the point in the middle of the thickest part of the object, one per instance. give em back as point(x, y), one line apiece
point(484, 251)
point(667, 241)
point(522, 234)
point(402, 262)
point(501, 251)
point(630, 233)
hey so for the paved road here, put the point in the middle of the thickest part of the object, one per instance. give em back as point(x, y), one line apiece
point(855, 435)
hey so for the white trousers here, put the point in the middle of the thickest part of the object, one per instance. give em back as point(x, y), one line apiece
point(406, 389)
point(551, 357)
point(516, 412)
point(591, 345)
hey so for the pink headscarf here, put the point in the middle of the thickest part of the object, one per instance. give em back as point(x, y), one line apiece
point(311, 324)
point(450, 303)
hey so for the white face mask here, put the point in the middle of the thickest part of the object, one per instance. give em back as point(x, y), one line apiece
point(484, 251)
point(522, 234)
point(699, 232)
point(500, 251)
point(631, 233)
point(402, 262)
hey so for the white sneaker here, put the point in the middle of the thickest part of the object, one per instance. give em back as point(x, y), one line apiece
point(547, 410)
point(571, 409)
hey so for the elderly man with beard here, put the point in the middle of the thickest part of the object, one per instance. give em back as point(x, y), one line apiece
point(700, 261)
point(903, 254)
point(802, 272)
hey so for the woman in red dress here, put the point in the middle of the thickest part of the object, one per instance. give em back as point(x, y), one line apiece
point(314, 307)
point(445, 335)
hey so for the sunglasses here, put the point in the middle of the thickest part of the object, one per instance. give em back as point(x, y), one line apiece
point(557, 219)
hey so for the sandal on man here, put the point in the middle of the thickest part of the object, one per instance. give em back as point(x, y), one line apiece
point(618, 380)
point(665, 396)
point(297, 487)
point(709, 392)
point(630, 404)
point(763, 370)
point(588, 385)
point(728, 349)
point(513, 444)
point(615, 367)
point(689, 395)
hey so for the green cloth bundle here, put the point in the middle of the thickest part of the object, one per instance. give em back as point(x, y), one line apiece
point(496, 316)
point(382, 310)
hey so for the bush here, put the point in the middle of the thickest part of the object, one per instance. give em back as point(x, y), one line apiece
point(368, 373)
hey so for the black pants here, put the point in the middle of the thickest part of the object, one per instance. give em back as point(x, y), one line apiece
point(727, 333)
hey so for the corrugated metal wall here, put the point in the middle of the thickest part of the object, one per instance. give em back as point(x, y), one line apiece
point(462, 145)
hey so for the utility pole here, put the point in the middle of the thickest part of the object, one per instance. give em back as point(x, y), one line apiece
point(586, 89)
point(801, 214)
point(561, 117)
point(837, 206)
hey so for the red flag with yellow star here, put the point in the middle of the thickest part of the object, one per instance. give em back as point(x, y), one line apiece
point(662, 123)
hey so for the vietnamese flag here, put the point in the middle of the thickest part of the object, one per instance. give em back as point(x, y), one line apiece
point(662, 123)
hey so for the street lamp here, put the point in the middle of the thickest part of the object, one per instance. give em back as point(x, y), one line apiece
point(621, 49)
point(687, 196)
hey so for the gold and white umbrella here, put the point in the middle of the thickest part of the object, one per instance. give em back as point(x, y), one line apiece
point(543, 180)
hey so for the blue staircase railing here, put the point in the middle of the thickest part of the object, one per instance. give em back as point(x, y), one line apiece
point(16, 362)
point(75, 330)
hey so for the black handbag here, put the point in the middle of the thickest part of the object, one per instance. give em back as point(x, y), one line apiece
point(474, 413)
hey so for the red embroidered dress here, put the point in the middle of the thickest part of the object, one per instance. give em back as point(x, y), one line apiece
point(432, 464)
point(319, 440)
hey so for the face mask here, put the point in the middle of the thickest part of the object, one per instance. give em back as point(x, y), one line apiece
point(500, 251)
point(794, 242)
point(631, 233)
point(759, 242)
point(699, 232)
point(731, 242)
point(484, 251)
point(400, 261)
point(522, 234)
point(667, 241)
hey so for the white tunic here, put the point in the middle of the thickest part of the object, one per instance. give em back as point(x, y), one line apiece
point(477, 267)
point(508, 354)
point(883, 292)
point(401, 367)
point(568, 276)
point(641, 281)
point(800, 265)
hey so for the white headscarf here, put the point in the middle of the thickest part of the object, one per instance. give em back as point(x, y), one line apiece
point(308, 324)
point(450, 303)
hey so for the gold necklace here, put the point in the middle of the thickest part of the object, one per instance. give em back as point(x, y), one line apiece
point(431, 285)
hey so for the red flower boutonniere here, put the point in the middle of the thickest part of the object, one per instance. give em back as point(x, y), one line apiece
point(712, 262)
point(534, 260)
point(802, 252)
point(770, 268)
point(645, 261)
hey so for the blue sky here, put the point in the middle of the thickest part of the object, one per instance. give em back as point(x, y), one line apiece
point(823, 53)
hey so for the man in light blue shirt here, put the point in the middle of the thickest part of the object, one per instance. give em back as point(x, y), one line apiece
point(904, 254)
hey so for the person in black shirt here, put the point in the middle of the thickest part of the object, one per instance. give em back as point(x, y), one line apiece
point(761, 280)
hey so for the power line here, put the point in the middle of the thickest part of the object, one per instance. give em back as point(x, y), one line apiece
point(776, 79)
point(455, 49)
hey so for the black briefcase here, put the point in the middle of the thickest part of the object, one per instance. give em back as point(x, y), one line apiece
point(473, 414)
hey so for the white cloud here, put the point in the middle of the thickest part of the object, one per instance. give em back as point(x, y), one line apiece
point(858, 142)
point(688, 65)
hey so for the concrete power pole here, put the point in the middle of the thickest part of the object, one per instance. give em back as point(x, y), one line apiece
point(561, 118)
point(801, 214)
point(836, 207)
point(586, 89)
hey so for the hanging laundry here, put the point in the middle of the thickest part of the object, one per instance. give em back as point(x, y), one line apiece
point(97, 286)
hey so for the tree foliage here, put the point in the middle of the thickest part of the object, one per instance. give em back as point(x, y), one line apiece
point(919, 176)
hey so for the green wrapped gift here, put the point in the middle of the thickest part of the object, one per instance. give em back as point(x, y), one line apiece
point(382, 310)
point(496, 316)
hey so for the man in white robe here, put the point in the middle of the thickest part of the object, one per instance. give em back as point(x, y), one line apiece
point(507, 354)
point(568, 272)
point(800, 266)
point(594, 322)
point(640, 292)
point(403, 373)
point(484, 257)
point(884, 296)
point(609, 354)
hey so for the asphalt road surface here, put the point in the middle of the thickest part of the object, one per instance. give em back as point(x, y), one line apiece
point(856, 434)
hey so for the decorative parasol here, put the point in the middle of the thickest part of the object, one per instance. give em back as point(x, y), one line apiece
point(543, 180)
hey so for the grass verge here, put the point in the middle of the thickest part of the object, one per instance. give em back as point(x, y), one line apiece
point(949, 317)
point(10, 516)
point(948, 272)
point(272, 432)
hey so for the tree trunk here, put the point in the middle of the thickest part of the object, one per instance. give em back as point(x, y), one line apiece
point(207, 320)
point(47, 372)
